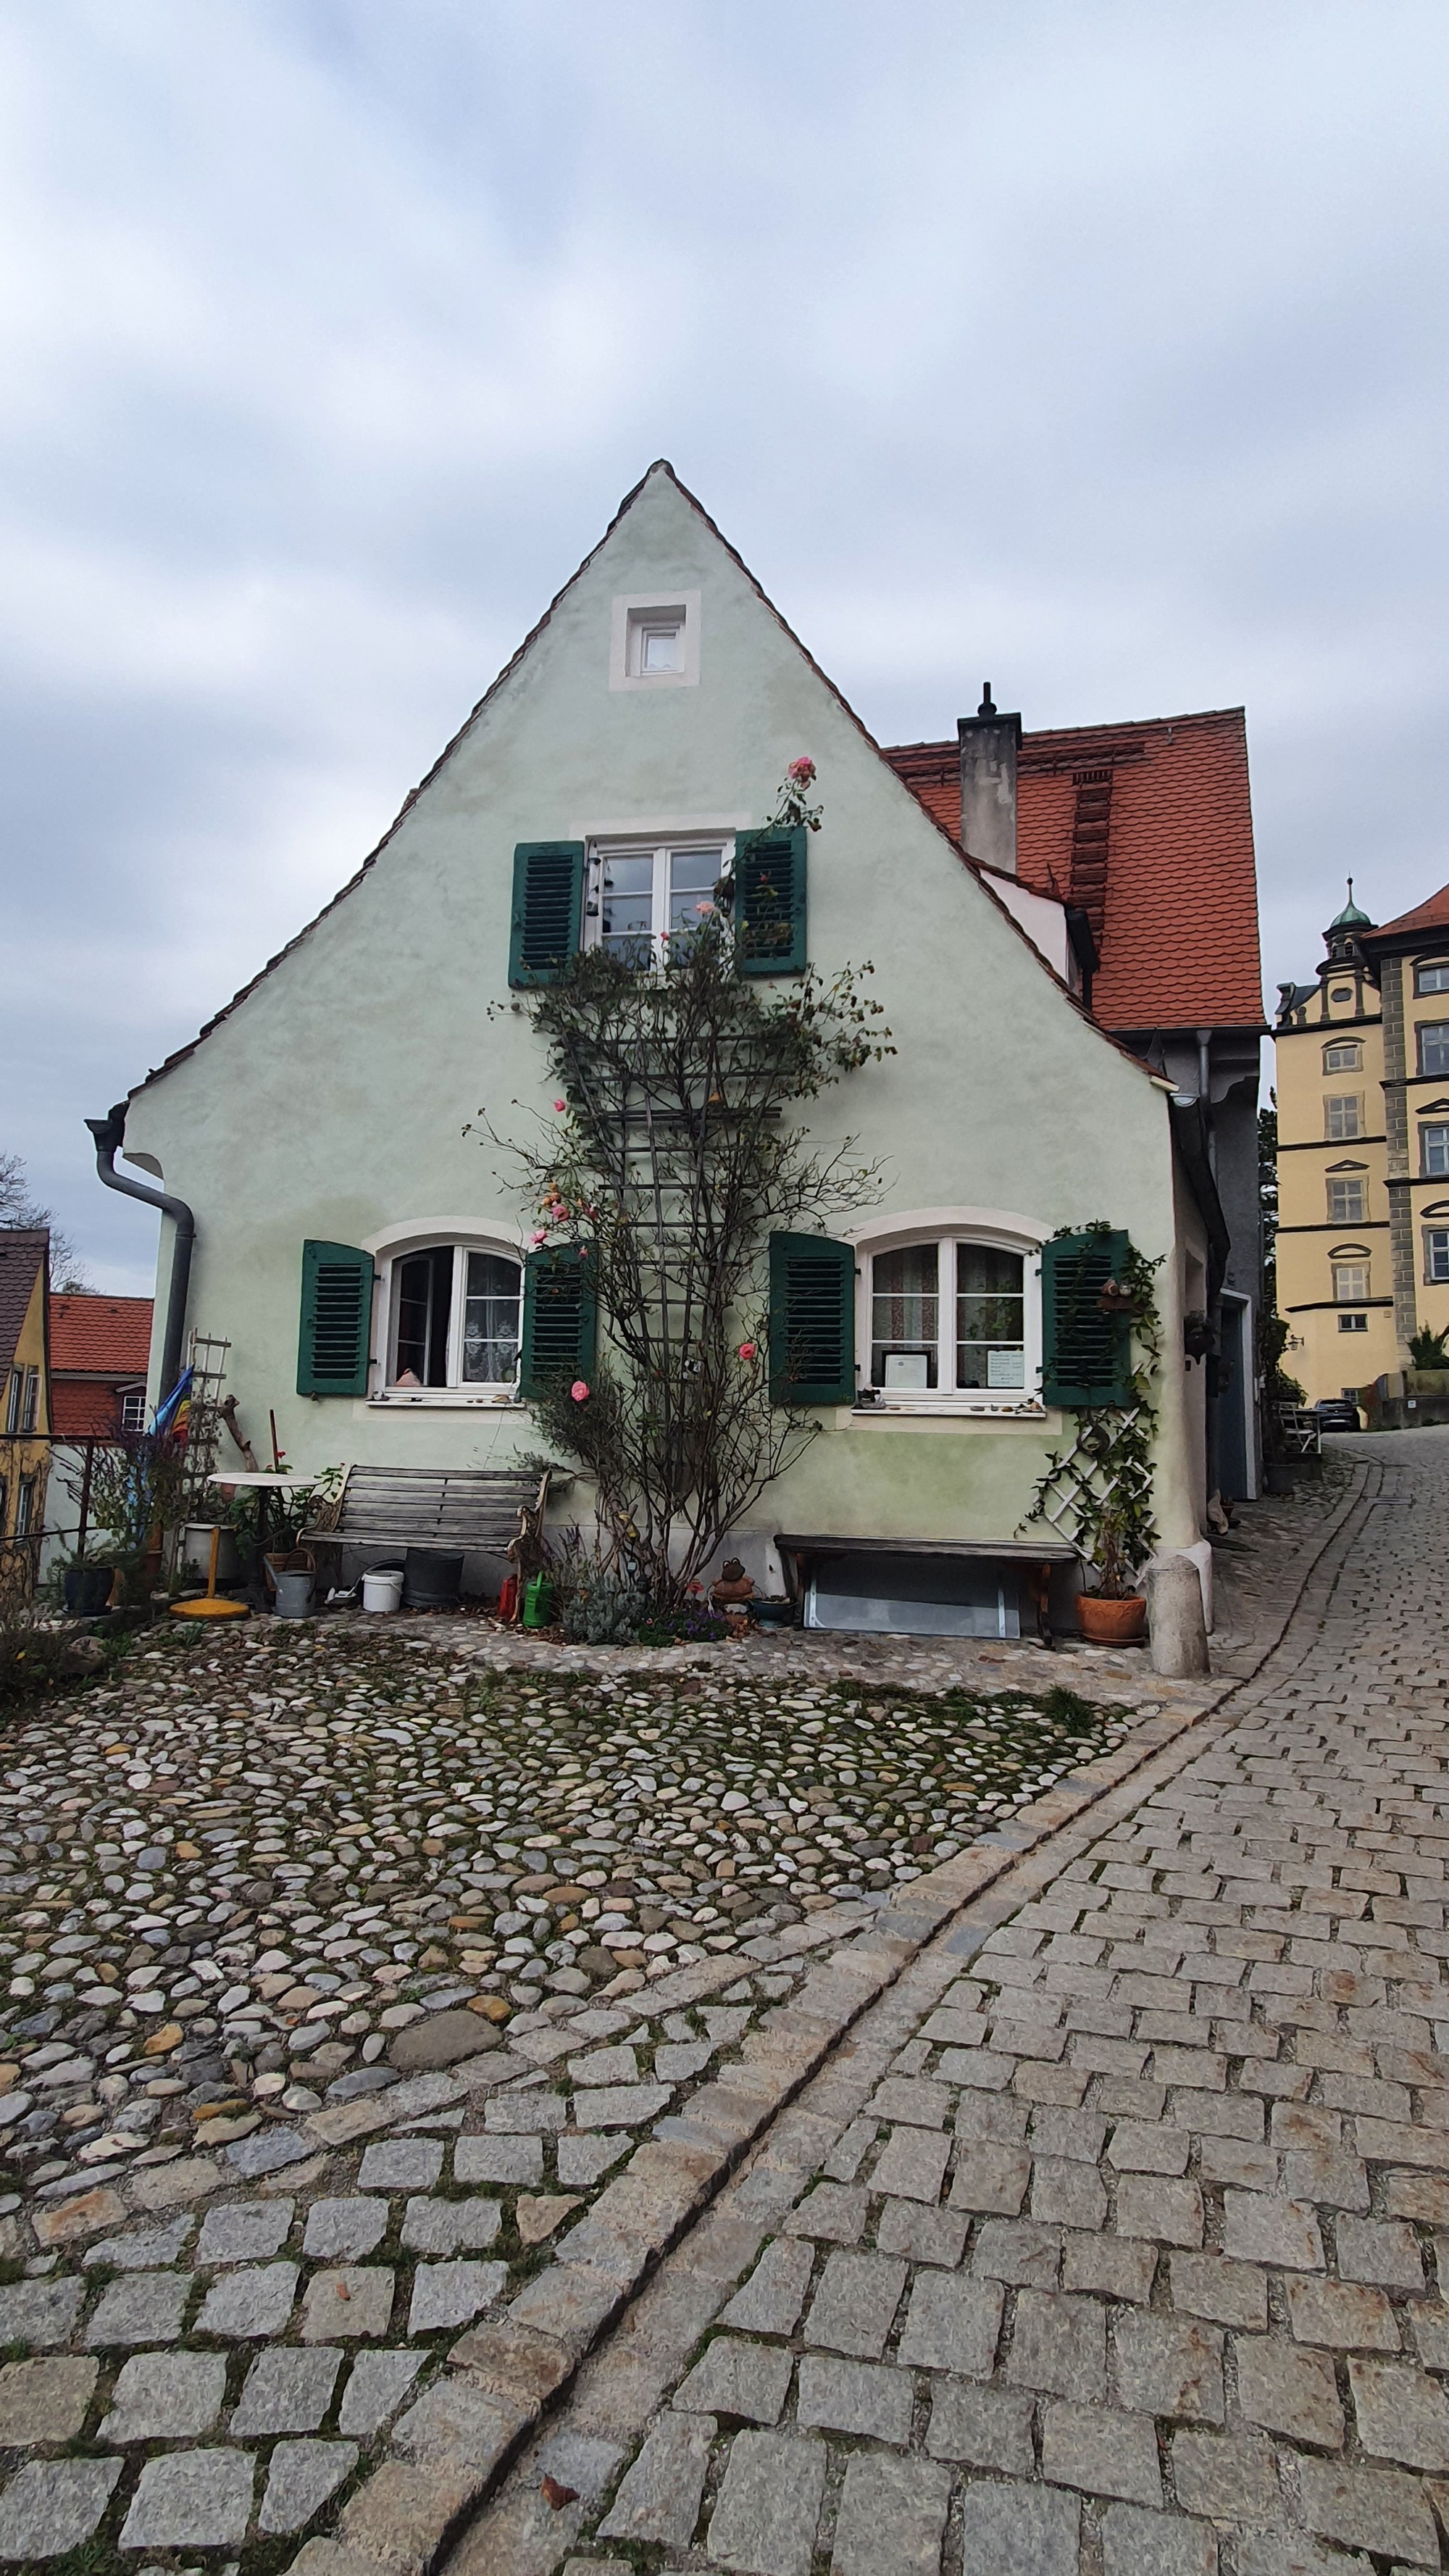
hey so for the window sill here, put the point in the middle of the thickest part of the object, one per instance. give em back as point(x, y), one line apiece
point(1026, 1409)
point(426, 1399)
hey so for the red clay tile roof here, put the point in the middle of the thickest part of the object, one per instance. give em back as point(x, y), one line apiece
point(84, 1409)
point(112, 1334)
point(23, 1250)
point(1149, 828)
point(1433, 915)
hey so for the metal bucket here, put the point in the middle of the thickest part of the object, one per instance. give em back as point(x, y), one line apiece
point(294, 1595)
point(432, 1578)
point(196, 1538)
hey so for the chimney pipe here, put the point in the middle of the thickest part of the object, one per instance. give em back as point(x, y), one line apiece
point(989, 745)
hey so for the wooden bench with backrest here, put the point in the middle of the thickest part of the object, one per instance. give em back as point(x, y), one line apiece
point(492, 1511)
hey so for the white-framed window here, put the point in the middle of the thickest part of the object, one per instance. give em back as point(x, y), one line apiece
point(1353, 1323)
point(1432, 976)
point(133, 1409)
point(1350, 1282)
point(22, 1406)
point(1434, 1046)
point(1345, 1055)
point(1342, 1116)
point(1436, 1254)
point(951, 1323)
point(1347, 1200)
point(25, 1506)
point(452, 1316)
point(642, 893)
point(654, 640)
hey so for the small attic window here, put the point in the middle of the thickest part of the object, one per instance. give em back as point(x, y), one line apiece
point(654, 643)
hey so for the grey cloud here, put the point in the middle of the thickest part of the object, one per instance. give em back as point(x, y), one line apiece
point(1100, 350)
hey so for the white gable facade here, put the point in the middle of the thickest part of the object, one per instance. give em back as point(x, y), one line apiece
point(653, 713)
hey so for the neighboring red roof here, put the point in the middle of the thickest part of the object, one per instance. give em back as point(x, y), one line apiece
point(84, 1409)
point(1149, 827)
point(111, 1335)
point(1433, 915)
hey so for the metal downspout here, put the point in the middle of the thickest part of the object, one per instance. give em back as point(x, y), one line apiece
point(110, 1134)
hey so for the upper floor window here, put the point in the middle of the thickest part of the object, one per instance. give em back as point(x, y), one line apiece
point(1343, 1116)
point(453, 1318)
point(1436, 1253)
point(949, 1317)
point(22, 1405)
point(1344, 1056)
point(641, 895)
point(1433, 976)
point(1434, 1046)
point(1350, 1282)
point(1347, 1202)
point(1434, 1152)
point(25, 1507)
point(133, 1409)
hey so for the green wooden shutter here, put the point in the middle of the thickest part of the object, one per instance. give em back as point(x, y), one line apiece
point(770, 901)
point(812, 1320)
point(1087, 1356)
point(336, 1335)
point(548, 894)
point(560, 1320)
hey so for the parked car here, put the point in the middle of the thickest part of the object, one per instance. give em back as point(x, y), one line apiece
point(1335, 1413)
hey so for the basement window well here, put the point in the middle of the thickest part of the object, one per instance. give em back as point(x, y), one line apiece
point(913, 1596)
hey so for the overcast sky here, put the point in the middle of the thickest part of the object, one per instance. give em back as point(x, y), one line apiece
point(1098, 347)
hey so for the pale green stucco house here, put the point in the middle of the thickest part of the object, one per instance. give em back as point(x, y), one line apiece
point(646, 721)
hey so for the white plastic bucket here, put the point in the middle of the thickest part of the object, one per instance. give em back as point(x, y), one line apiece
point(383, 1590)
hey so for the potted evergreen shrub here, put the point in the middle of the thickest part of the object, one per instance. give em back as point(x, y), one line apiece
point(1115, 1614)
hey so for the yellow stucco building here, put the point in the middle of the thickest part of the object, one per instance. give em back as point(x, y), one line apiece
point(1363, 1145)
point(24, 1401)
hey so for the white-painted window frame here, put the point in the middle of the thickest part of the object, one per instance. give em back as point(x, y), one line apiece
point(389, 1252)
point(660, 849)
point(632, 613)
point(945, 1228)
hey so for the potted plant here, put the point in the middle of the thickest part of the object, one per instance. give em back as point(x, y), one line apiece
point(86, 1584)
point(1115, 1614)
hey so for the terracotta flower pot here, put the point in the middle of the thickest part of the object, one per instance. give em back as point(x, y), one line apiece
point(1111, 1623)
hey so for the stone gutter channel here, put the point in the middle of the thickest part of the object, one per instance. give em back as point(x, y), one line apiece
point(446, 2475)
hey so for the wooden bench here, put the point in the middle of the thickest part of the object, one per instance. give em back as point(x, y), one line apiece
point(488, 1510)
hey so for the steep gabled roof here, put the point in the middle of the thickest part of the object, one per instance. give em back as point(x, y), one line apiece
point(23, 1252)
point(1149, 828)
point(100, 1334)
point(661, 465)
point(1433, 915)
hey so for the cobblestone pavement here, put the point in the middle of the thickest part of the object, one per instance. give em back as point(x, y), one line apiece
point(1115, 2234)
point(347, 1973)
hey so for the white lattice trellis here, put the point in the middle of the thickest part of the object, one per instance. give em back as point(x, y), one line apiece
point(1092, 1473)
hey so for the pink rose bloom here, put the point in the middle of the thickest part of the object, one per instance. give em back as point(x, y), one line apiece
point(704, 907)
point(802, 771)
point(537, 1235)
point(747, 1350)
point(560, 1104)
point(580, 1391)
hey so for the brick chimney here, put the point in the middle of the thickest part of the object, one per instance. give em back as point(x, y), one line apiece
point(989, 745)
